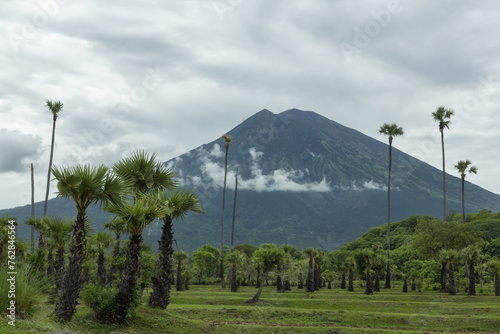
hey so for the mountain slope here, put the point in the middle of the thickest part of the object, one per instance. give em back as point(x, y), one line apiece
point(304, 180)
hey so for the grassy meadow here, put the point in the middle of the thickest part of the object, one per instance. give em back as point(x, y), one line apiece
point(210, 309)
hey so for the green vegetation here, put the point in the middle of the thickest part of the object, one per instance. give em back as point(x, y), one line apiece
point(209, 309)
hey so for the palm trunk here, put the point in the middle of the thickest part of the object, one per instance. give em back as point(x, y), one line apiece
point(261, 286)
point(72, 283)
point(377, 279)
point(350, 286)
point(116, 252)
point(451, 280)
point(316, 278)
point(126, 291)
point(234, 281)
point(278, 279)
point(472, 278)
point(388, 272)
point(443, 277)
point(301, 282)
point(50, 165)
point(463, 198)
point(310, 277)
point(32, 209)
point(342, 282)
point(101, 269)
point(59, 269)
point(234, 210)
point(50, 264)
point(161, 283)
point(178, 285)
point(405, 285)
point(223, 282)
point(369, 287)
point(497, 284)
point(444, 176)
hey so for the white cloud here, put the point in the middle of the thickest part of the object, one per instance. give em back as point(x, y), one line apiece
point(212, 175)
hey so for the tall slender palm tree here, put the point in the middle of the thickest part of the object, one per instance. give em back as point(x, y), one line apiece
point(55, 108)
point(234, 208)
point(442, 116)
point(177, 204)
point(117, 226)
point(463, 167)
point(227, 139)
point(137, 216)
point(86, 186)
point(390, 130)
point(32, 208)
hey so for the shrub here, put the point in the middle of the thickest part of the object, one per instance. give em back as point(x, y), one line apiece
point(100, 300)
point(30, 286)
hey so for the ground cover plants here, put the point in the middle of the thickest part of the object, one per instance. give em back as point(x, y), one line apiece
point(210, 309)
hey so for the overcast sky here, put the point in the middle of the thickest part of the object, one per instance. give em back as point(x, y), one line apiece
point(168, 76)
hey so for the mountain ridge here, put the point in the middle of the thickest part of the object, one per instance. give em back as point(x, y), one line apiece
point(303, 179)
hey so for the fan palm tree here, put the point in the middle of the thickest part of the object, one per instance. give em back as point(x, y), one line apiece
point(86, 186)
point(145, 173)
point(55, 108)
point(450, 256)
point(137, 216)
point(442, 116)
point(390, 130)
point(471, 254)
point(103, 240)
point(290, 251)
point(58, 230)
point(227, 139)
point(117, 226)
point(368, 256)
point(494, 266)
point(235, 258)
point(177, 204)
point(463, 167)
point(311, 254)
point(179, 258)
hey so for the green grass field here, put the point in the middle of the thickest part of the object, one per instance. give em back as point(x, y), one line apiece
point(209, 309)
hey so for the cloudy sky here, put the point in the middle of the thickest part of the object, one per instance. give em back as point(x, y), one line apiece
point(168, 76)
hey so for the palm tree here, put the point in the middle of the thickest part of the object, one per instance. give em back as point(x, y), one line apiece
point(350, 263)
point(462, 166)
point(55, 108)
point(290, 251)
point(137, 216)
point(86, 186)
point(471, 254)
point(103, 241)
point(227, 139)
point(234, 208)
point(450, 256)
point(390, 130)
point(179, 258)
point(58, 231)
point(235, 258)
point(311, 254)
point(145, 173)
point(368, 256)
point(494, 266)
point(115, 225)
point(443, 115)
point(176, 204)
